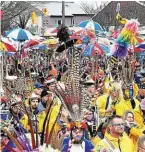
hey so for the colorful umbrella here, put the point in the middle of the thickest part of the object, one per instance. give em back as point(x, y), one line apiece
point(85, 32)
point(7, 47)
point(40, 47)
point(19, 34)
point(90, 24)
point(92, 49)
point(141, 45)
point(51, 40)
point(105, 48)
point(30, 43)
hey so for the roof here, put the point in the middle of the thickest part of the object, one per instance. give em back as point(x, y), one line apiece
point(54, 8)
point(129, 10)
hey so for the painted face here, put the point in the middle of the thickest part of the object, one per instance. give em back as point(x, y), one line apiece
point(130, 117)
point(117, 126)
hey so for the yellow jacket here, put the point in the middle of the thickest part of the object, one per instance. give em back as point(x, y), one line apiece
point(101, 103)
point(124, 143)
point(135, 132)
point(24, 121)
point(124, 105)
point(53, 116)
point(41, 117)
point(95, 140)
point(138, 116)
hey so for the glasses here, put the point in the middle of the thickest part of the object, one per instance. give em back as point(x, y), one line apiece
point(118, 125)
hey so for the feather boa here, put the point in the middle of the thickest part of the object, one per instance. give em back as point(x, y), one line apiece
point(127, 37)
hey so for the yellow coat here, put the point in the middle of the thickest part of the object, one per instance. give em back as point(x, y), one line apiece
point(41, 117)
point(101, 103)
point(126, 145)
point(24, 121)
point(135, 132)
point(95, 140)
point(124, 105)
point(53, 116)
point(138, 116)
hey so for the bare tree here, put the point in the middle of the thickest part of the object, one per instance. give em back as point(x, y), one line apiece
point(14, 9)
point(91, 9)
point(21, 20)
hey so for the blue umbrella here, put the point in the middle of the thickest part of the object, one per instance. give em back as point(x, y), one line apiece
point(19, 34)
point(141, 45)
point(105, 48)
point(90, 24)
point(40, 47)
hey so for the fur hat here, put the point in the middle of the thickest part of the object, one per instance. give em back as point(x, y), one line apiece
point(142, 104)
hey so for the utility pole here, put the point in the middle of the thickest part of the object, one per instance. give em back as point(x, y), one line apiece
point(63, 13)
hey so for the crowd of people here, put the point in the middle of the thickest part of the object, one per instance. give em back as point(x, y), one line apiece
point(114, 119)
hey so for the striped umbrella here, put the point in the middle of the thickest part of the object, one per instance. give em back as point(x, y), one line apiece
point(7, 47)
point(19, 34)
point(90, 24)
point(30, 43)
point(141, 45)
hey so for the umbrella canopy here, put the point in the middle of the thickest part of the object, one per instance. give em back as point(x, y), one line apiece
point(141, 45)
point(30, 43)
point(19, 34)
point(84, 32)
point(90, 24)
point(51, 40)
point(7, 47)
point(39, 38)
point(92, 49)
point(40, 47)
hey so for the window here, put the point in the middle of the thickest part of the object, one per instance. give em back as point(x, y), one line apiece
point(59, 22)
point(47, 22)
